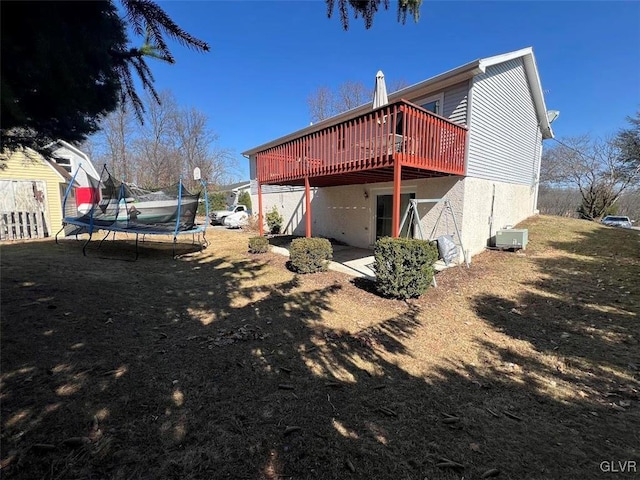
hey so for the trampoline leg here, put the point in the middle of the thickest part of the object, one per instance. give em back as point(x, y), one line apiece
point(137, 246)
point(205, 242)
point(84, 247)
point(59, 234)
point(105, 237)
point(175, 239)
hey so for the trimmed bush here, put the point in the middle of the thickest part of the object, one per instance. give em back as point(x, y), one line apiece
point(274, 220)
point(258, 245)
point(310, 255)
point(404, 266)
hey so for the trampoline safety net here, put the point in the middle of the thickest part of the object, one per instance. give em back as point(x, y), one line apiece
point(119, 206)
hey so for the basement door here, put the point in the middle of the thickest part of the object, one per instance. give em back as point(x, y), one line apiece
point(384, 214)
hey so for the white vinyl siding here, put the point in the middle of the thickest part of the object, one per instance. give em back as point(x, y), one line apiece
point(504, 139)
point(455, 103)
point(454, 106)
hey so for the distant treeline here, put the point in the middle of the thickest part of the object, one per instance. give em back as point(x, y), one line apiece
point(566, 202)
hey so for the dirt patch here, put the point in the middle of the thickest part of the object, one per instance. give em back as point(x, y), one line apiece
point(222, 364)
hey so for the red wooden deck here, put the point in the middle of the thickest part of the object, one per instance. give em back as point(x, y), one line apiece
point(366, 149)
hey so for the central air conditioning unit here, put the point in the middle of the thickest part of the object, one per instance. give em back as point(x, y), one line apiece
point(512, 238)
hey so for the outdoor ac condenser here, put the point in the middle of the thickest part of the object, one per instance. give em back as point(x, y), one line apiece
point(512, 238)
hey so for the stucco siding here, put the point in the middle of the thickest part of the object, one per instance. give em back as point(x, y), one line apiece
point(19, 167)
point(512, 204)
point(348, 213)
point(343, 213)
point(291, 205)
point(504, 134)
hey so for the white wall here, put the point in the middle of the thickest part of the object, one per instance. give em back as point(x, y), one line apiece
point(346, 214)
point(512, 204)
point(290, 204)
point(343, 213)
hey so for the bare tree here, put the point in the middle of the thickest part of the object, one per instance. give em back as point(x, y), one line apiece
point(117, 133)
point(325, 103)
point(197, 147)
point(321, 104)
point(170, 144)
point(351, 95)
point(159, 162)
point(395, 85)
point(594, 167)
point(560, 201)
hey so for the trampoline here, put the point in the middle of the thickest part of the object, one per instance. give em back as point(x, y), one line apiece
point(116, 206)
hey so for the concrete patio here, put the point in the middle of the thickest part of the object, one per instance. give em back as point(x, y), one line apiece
point(357, 262)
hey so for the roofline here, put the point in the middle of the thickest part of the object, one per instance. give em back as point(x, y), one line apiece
point(61, 172)
point(79, 152)
point(443, 80)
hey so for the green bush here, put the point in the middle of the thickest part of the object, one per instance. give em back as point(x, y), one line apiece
point(217, 201)
point(404, 266)
point(310, 255)
point(258, 245)
point(245, 199)
point(274, 220)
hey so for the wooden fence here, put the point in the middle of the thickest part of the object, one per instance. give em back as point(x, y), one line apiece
point(22, 225)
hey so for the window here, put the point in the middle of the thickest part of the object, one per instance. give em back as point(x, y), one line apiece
point(434, 103)
point(433, 106)
point(64, 163)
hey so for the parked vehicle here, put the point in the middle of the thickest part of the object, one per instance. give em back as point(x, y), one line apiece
point(217, 217)
point(617, 221)
point(237, 220)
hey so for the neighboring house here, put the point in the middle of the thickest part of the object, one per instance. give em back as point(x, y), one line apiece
point(472, 135)
point(31, 192)
point(78, 164)
point(234, 190)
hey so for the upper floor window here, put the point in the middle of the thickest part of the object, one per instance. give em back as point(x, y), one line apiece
point(434, 103)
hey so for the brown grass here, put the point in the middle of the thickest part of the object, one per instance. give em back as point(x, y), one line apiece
point(199, 368)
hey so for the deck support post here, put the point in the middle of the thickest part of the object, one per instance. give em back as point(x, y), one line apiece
point(260, 218)
point(395, 214)
point(307, 206)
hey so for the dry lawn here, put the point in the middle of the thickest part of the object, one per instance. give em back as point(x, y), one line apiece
point(223, 364)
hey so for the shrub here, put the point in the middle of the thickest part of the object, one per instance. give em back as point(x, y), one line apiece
point(310, 255)
point(404, 266)
point(253, 225)
point(274, 220)
point(258, 245)
point(245, 199)
point(217, 201)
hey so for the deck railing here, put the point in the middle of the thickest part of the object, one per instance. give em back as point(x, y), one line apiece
point(400, 132)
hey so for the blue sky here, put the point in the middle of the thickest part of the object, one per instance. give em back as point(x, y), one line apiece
point(267, 57)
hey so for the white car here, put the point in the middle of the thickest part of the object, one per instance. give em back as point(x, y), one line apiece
point(617, 221)
point(236, 220)
point(218, 217)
